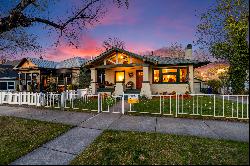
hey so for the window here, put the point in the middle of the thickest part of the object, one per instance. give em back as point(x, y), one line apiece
point(156, 75)
point(11, 85)
point(170, 75)
point(183, 75)
point(164, 71)
point(119, 76)
point(8, 85)
point(3, 85)
point(169, 78)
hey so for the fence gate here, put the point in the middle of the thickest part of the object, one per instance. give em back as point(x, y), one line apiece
point(111, 104)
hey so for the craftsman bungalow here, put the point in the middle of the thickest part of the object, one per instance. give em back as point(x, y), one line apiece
point(40, 73)
point(117, 71)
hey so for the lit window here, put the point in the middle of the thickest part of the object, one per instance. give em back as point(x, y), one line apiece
point(169, 78)
point(170, 75)
point(156, 75)
point(120, 76)
point(169, 71)
point(183, 75)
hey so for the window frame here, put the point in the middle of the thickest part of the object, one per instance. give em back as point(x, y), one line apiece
point(7, 84)
point(170, 73)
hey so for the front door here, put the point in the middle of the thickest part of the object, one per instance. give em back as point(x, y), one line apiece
point(139, 79)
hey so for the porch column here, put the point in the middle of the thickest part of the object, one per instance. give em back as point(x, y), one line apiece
point(146, 89)
point(191, 78)
point(25, 81)
point(93, 85)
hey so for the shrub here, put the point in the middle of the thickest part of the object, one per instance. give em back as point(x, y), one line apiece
point(51, 87)
point(215, 85)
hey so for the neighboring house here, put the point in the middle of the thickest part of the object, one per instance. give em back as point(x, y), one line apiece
point(199, 85)
point(8, 78)
point(39, 72)
point(117, 71)
point(211, 70)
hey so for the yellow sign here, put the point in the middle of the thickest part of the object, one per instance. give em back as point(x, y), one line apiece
point(134, 98)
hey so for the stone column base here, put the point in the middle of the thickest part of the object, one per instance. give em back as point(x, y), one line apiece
point(118, 89)
point(146, 90)
point(93, 87)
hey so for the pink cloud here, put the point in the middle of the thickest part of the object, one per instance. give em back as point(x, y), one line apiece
point(88, 48)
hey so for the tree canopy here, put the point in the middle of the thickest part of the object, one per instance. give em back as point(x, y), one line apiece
point(223, 30)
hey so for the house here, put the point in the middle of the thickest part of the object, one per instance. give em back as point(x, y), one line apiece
point(8, 78)
point(116, 71)
point(200, 86)
point(40, 73)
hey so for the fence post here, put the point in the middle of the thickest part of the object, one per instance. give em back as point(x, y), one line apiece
point(20, 98)
point(176, 112)
point(214, 105)
point(62, 100)
point(1, 98)
point(123, 110)
point(99, 99)
point(223, 106)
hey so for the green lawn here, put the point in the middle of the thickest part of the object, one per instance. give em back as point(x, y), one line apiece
point(122, 148)
point(189, 106)
point(91, 104)
point(19, 136)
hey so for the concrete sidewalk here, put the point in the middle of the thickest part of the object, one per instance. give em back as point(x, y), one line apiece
point(64, 148)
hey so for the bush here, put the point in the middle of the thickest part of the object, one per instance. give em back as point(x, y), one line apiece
point(84, 78)
point(51, 87)
point(215, 85)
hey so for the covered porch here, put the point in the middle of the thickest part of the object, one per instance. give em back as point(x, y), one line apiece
point(117, 79)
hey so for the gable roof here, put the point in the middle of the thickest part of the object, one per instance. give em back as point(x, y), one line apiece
point(41, 63)
point(108, 52)
point(157, 60)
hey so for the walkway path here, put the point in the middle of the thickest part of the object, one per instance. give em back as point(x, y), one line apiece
point(88, 126)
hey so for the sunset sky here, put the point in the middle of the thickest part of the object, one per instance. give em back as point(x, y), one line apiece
point(147, 25)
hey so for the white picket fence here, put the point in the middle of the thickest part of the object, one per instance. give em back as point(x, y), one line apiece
point(40, 99)
point(218, 106)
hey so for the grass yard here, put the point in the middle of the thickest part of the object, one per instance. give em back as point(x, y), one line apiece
point(122, 148)
point(19, 136)
point(189, 106)
point(90, 104)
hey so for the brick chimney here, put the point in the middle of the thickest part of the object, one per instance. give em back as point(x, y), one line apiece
point(188, 51)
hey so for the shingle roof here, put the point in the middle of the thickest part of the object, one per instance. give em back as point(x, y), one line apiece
point(6, 71)
point(170, 61)
point(153, 59)
point(70, 63)
point(41, 63)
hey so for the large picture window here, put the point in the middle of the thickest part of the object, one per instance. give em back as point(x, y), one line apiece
point(170, 75)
